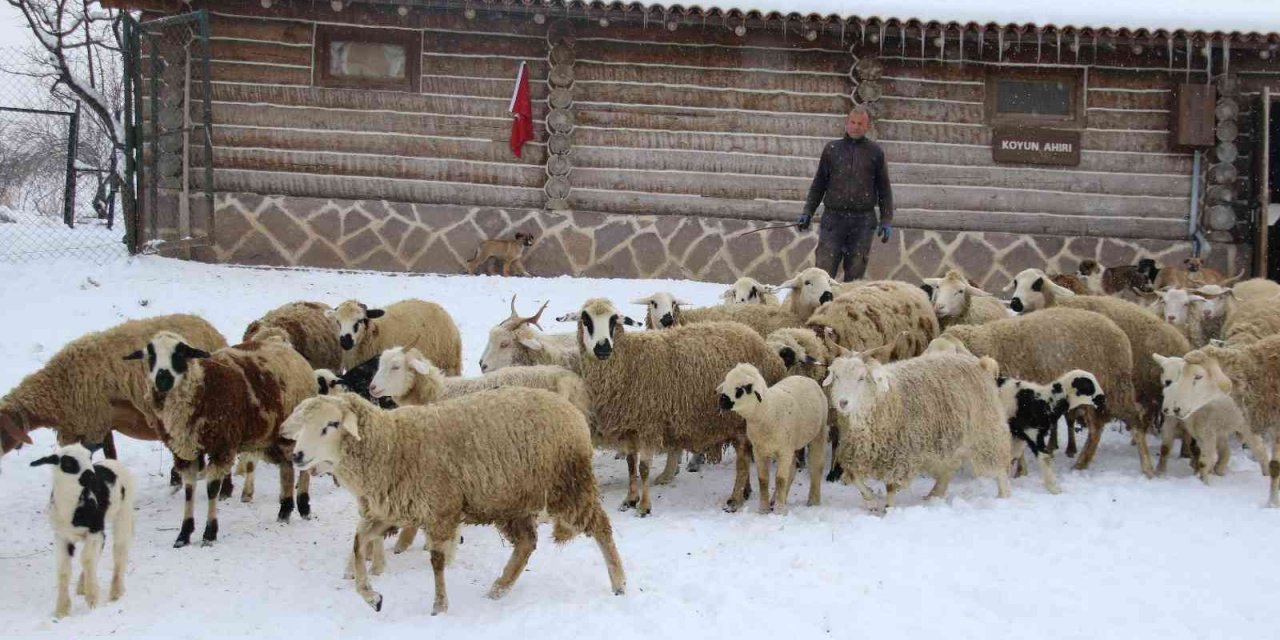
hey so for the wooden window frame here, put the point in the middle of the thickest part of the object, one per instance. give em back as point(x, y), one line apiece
point(410, 40)
point(1076, 120)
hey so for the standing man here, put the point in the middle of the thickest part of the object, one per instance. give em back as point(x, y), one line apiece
point(851, 181)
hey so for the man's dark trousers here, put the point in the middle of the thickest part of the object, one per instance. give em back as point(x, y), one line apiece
point(844, 237)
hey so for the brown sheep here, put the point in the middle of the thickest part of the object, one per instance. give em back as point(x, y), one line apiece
point(309, 329)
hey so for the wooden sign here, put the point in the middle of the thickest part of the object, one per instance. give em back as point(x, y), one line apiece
point(1035, 145)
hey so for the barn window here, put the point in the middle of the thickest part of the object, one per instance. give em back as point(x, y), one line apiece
point(356, 58)
point(1034, 99)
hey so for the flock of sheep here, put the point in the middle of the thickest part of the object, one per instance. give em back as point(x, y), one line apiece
point(902, 379)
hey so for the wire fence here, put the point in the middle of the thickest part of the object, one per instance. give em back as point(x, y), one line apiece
point(56, 194)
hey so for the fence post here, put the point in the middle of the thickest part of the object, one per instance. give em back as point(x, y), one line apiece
point(129, 191)
point(69, 190)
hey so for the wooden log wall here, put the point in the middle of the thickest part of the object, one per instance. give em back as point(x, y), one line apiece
point(276, 133)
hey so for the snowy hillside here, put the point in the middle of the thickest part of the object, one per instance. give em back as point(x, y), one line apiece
point(1114, 556)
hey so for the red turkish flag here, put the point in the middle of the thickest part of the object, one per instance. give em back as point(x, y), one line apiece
point(521, 111)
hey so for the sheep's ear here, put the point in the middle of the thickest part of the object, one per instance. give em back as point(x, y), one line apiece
point(975, 291)
point(187, 351)
point(644, 302)
point(790, 284)
point(1215, 342)
point(1219, 378)
point(1013, 284)
point(826, 382)
point(681, 303)
point(933, 282)
point(51, 459)
point(374, 313)
point(880, 376)
point(631, 323)
point(531, 343)
point(136, 355)
point(351, 424)
point(1160, 360)
point(1057, 289)
point(1197, 298)
point(420, 365)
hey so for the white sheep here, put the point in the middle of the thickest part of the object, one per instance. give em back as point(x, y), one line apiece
point(749, 291)
point(782, 418)
point(410, 378)
point(808, 290)
point(955, 301)
point(513, 342)
point(495, 457)
point(363, 333)
point(87, 499)
point(1210, 426)
point(932, 414)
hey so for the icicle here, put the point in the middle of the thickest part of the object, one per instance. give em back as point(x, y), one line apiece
point(1059, 48)
point(1039, 43)
point(1169, 40)
point(1189, 48)
point(924, 37)
point(1000, 45)
point(1077, 43)
point(882, 39)
point(1226, 55)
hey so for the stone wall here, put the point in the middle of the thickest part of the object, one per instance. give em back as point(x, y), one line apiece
point(388, 236)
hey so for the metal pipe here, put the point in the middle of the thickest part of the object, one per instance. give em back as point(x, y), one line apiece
point(1193, 223)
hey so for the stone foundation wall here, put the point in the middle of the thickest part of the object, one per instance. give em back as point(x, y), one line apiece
point(387, 236)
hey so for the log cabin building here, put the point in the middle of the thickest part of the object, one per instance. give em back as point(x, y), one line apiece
point(374, 135)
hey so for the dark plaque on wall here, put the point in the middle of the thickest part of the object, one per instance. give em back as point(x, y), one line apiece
point(1035, 145)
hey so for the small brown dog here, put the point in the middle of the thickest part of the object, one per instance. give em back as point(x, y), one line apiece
point(1193, 274)
point(509, 252)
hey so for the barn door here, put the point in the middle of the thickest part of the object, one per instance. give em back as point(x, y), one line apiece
point(169, 120)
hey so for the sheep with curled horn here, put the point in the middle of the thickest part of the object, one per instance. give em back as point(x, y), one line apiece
point(513, 342)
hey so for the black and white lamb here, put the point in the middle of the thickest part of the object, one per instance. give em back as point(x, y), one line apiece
point(1033, 411)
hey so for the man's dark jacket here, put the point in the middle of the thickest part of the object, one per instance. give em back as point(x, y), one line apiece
point(853, 177)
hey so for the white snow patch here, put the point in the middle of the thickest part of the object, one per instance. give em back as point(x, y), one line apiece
point(1114, 556)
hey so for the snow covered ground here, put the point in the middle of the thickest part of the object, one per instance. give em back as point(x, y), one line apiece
point(1114, 556)
point(26, 236)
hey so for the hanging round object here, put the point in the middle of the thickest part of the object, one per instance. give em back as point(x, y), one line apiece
point(1227, 109)
point(560, 98)
point(1220, 218)
point(560, 120)
point(1227, 131)
point(869, 91)
point(1223, 173)
point(1228, 85)
point(869, 69)
point(557, 187)
point(1220, 194)
point(562, 54)
point(561, 76)
point(560, 143)
point(559, 165)
point(1226, 152)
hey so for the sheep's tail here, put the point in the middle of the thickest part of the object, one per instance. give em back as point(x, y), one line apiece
point(574, 503)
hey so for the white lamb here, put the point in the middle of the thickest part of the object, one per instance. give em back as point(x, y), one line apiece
point(87, 498)
point(780, 419)
point(1210, 426)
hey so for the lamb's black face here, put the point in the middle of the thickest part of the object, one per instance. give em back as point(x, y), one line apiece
point(168, 359)
point(599, 329)
point(788, 356)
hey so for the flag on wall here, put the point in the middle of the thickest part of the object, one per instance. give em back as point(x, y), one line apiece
point(521, 111)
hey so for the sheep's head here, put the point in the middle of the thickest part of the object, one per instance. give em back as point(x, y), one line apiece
point(1170, 371)
point(317, 426)
point(813, 286)
point(352, 320)
point(1215, 299)
point(951, 294)
point(740, 389)
point(1174, 303)
point(1032, 290)
point(662, 310)
point(329, 382)
point(790, 350)
point(1200, 381)
point(599, 326)
point(854, 374)
point(13, 431)
point(396, 368)
point(947, 343)
point(73, 462)
point(511, 340)
point(168, 357)
point(748, 291)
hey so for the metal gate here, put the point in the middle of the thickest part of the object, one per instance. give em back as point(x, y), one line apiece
point(169, 131)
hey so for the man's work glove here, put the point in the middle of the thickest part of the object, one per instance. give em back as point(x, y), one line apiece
point(803, 221)
point(885, 231)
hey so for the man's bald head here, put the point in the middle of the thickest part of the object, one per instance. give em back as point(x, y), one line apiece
point(858, 122)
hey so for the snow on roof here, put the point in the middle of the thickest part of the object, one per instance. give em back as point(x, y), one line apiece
point(1244, 16)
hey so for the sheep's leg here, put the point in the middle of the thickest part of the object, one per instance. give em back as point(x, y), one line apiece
point(782, 488)
point(1053, 436)
point(602, 531)
point(188, 470)
point(1071, 438)
point(228, 487)
point(1167, 436)
point(246, 493)
point(109, 446)
point(1208, 459)
point(358, 545)
point(762, 473)
point(1019, 469)
point(304, 494)
point(89, 568)
point(286, 491)
point(940, 484)
point(817, 461)
point(633, 483)
point(836, 470)
point(1144, 452)
point(1258, 448)
point(122, 533)
point(1093, 421)
point(1224, 456)
point(673, 466)
point(405, 539)
point(644, 507)
point(1002, 484)
point(890, 492)
point(522, 533)
point(1046, 473)
point(1274, 467)
point(213, 485)
point(741, 483)
point(65, 550)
